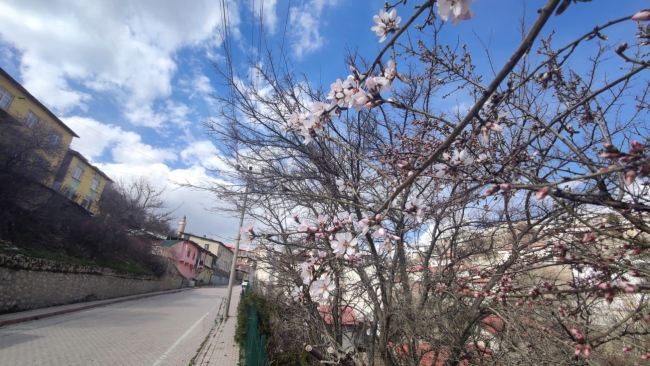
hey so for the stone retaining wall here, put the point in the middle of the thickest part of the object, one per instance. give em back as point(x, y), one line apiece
point(32, 283)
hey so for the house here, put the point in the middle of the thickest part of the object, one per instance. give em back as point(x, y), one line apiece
point(206, 274)
point(186, 253)
point(354, 329)
point(62, 169)
point(21, 109)
point(225, 256)
point(80, 181)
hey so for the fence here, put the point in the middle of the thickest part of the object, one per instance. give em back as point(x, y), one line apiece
point(255, 344)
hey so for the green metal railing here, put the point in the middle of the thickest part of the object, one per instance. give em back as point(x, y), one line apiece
point(255, 350)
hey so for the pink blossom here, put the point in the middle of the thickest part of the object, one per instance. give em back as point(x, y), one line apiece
point(459, 8)
point(505, 186)
point(642, 16)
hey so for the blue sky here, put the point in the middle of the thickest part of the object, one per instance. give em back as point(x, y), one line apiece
point(133, 78)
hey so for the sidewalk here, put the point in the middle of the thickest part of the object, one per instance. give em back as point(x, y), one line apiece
point(220, 348)
point(28, 315)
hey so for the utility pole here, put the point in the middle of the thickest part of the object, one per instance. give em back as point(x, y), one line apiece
point(233, 267)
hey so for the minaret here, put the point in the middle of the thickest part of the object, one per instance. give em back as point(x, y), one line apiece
point(181, 226)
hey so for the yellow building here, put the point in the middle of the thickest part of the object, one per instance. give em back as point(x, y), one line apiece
point(24, 109)
point(80, 181)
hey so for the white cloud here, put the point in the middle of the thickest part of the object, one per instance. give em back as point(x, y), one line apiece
point(125, 146)
point(305, 20)
point(270, 15)
point(203, 153)
point(192, 203)
point(125, 48)
point(132, 158)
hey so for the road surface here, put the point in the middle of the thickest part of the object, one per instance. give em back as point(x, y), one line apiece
point(155, 331)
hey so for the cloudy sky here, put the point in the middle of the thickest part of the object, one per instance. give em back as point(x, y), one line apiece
point(133, 78)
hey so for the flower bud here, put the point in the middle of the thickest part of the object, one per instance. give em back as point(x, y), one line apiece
point(637, 147)
point(589, 238)
point(494, 127)
point(505, 186)
point(542, 193)
point(492, 190)
point(642, 16)
point(620, 49)
point(485, 134)
point(629, 177)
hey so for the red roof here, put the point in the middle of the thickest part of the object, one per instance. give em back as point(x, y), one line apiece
point(426, 353)
point(348, 318)
point(493, 324)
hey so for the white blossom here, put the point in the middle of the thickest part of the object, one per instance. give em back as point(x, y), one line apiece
point(296, 293)
point(246, 232)
point(460, 9)
point(344, 245)
point(341, 185)
point(415, 208)
point(322, 287)
point(387, 22)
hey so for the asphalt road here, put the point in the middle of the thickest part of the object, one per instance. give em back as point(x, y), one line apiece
point(155, 331)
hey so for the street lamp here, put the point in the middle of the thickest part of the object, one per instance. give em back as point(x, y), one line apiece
point(233, 267)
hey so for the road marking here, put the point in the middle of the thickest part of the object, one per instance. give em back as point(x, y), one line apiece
point(178, 341)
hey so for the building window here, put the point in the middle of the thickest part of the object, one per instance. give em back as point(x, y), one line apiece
point(188, 253)
point(55, 138)
point(207, 247)
point(78, 172)
point(30, 119)
point(90, 198)
point(5, 98)
point(95, 184)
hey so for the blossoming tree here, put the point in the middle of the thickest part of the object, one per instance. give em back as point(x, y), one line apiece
point(511, 231)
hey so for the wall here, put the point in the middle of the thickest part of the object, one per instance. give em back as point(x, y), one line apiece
point(32, 283)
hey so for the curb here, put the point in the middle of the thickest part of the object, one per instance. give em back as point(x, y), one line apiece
point(88, 306)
